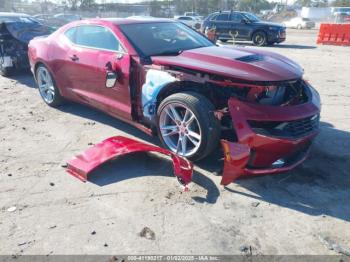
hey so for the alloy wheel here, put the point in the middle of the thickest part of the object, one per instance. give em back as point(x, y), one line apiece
point(180, 129)
point(45, 84)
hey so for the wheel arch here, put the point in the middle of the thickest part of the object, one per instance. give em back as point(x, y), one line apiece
point(161, 84)
point(41, 62)
point(256, 31)
point(178, 87)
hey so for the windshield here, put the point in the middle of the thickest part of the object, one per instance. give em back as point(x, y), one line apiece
point(163, 38)
point(251, 17)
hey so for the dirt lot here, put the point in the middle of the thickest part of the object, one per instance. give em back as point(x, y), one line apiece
point(301, 212)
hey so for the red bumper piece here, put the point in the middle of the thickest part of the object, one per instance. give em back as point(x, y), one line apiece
point(236, 157)
point(81, 165)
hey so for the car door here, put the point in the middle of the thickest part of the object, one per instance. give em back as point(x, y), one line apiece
point(96, 52)
point(222, 25)
point(239, 28)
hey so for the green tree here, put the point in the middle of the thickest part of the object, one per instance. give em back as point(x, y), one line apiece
point(253, 6)
point(341, 3)
point(73, 4)
point(306, 3)
point(86, 3)
point(156, 8)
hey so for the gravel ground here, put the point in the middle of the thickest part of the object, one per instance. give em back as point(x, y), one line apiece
point(135, 206)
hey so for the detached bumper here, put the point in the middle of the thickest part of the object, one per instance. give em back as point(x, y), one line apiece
point(83, 164)
point(279, 148)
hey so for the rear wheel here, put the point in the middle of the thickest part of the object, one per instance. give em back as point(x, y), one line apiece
point(259, 38)
point(299, 26)
point(6, 71)
point(47, 87)
point(187, 125)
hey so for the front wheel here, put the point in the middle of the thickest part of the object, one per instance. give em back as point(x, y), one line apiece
point(259, 38)
point(187, 125)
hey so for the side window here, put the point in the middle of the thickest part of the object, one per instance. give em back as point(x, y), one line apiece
point(237, 18)
point(70, 34)
point(96, 37)
point(222, 17)
point(213, 17)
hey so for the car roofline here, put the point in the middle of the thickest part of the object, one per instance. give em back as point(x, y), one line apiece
point(124, 21)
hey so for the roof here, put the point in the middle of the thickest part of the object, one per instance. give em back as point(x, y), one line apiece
point(135, 20)
point(12, 14)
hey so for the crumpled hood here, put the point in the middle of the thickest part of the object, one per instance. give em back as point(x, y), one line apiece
point(25, 32)
point(241, 63)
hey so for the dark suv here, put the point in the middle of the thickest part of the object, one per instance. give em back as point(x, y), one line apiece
point(244, 26)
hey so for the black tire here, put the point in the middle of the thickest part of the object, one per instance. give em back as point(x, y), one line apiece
point(57, 98)
point(203, 110)
point(6, 71)
point(259, 38)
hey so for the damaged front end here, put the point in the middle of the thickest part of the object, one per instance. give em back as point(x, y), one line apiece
point(270, 129)
point(266, 127)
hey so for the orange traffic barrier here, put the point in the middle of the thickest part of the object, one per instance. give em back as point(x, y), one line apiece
point(334, 34)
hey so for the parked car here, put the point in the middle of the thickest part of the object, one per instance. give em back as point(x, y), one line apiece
point(299, 23)
point(67, 18)
point(244, 26)
point(190, 21)
point(167, 79)
point(16, 30)
point(342, 18)
point(16, 17)
point(50, 20)
point(190, 14)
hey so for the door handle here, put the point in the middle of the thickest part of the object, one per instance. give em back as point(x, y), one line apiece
point(109, 66)
point(74, 58)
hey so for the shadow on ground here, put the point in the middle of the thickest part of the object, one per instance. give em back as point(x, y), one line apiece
point(320, 186)
point(24, 77)
point(149, 164)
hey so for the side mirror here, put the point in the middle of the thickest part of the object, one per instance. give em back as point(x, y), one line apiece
point(111, 79)
point(244, 21)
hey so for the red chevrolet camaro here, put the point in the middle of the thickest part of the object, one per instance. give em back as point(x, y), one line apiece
point(167, 79)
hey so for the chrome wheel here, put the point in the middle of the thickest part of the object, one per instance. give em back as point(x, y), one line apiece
point(45, 84)
point(180, 129)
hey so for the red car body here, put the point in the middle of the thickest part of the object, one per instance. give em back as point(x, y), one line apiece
point(259, 136)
